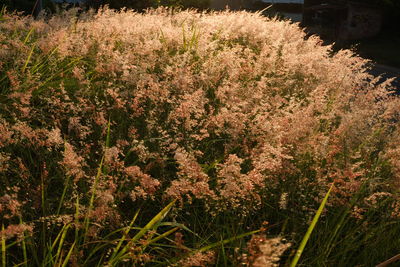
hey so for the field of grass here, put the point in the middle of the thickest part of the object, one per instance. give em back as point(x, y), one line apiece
point(178, 138)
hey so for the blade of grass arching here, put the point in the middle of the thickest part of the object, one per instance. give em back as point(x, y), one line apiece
point(28, 59)
point(49, 257)
point(64, 190)
point(93, 251)
point(108, 134)
point(68, 67)
point(194, 42)
point(226, 241)
point(61, 243)
point(3, 78)
point(150, 225)
point(213, 245)
point(34, 253)
point(24, 253)
point(20, 264)
point(63, 196)
point(3, 11)
point(179, 225)
point(76, 219)
point(161, 236)
point(43, 196)
point(159, 217)
point(125, 234)
point(310, 229)
point(100, 261)
point(28, 35)
point(262, 10)
point(3, 248)
point(106, 241)
point(91, 202)
point(389, 261)
point(23, 246)
point(111, 234)
point(66, 260)
point(96, 181)
point(330, 244)
point(223, 254)
point(43, 63)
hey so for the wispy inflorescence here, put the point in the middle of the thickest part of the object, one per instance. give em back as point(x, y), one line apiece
point(210, 107)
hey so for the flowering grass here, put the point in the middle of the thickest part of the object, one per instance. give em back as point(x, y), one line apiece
point(238, 119)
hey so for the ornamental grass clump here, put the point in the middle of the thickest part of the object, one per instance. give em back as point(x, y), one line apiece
point(225, 112)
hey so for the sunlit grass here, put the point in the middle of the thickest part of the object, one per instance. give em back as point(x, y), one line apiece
point(194, 139)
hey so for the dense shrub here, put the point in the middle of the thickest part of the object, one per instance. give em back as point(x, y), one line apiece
point(229, 112)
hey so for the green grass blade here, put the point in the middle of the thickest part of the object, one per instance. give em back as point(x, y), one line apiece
point(28, 35)
point(61, 243)
point(159, 217)
point(28, 59)
point(96, 180)
point(150, 225)
point(43, 64)
point(23, 246)
point(3, 11)
point(216, 244)
point(76, 220)
point(49, 257)
point(62, 196)
point(68, 256)
point(20, 264)
point(68, 67)
point(344, 218)
point(126, 232)
point(64, 191)
point(108, 134)
point(223, 254)
point(226, 241)
point(3, 248)
point(183, 38)
point(162, 236)
point(93, 253)
point(34, 253)
point(310, 229)
point(181, 226)
point(24, 253)
point(389, 261)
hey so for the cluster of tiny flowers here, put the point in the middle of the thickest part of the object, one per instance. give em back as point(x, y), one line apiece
point(16, 230)
point(213, 106)
point(201, 259)
point(263, 251)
